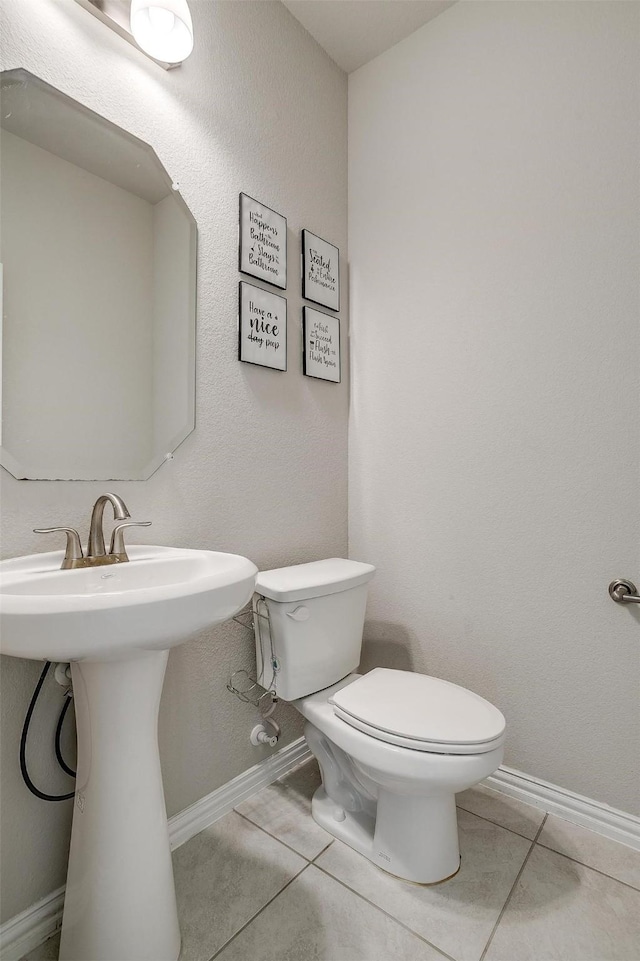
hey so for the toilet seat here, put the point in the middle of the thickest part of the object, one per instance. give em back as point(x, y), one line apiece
point(420, 712)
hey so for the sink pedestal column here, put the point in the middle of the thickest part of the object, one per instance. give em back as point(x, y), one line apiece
point(120, 900)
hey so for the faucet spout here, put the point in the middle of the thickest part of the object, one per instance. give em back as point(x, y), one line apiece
point(96, 546)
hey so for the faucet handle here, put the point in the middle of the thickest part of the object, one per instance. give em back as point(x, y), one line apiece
point(73, 554)
point(117, 536)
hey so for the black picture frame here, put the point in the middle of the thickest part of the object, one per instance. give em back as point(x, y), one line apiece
point(256, 310)
point(262, 235)
point(320, 271)
point(321, 358)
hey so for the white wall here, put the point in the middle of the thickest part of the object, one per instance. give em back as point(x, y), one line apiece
point(260, 108)
point(494, 449)
point(58, 224)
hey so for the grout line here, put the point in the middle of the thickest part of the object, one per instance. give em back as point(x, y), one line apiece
point(513, 887)
point(503, 826)
point(325, 848)
point(274, 838)
point(539, 831)
point(590, 867)
point(258, 913)
point(386, 913)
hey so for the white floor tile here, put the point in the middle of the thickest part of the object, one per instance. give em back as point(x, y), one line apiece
point(317, 919)
point(616, 860)
point(224, 876)
point(284, 810)
point(506, 811)
point(562, 911)
point(457, 915)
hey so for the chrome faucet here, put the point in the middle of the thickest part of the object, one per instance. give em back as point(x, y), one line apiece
point(95, 547)
point(96, 554)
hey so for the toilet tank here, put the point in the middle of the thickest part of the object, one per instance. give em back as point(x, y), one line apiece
point(308, 620)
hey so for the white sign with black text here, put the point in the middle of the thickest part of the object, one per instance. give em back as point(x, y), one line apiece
point(263, 242)
point(262, 327)
point(321, 345)
point(320, 271)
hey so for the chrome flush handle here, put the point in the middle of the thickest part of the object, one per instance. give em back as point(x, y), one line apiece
point(301, 613)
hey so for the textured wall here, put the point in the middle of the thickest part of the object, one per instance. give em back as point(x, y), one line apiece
point(260, 108)
point(494, 450)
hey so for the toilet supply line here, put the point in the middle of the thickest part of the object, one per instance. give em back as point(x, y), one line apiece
point(247, 688)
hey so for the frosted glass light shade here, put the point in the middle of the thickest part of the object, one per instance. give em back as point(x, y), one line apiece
point(163, 28)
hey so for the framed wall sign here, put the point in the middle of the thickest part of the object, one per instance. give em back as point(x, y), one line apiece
point(321, 351)
point(320, 271)
point(262, 327)
point(263, 242)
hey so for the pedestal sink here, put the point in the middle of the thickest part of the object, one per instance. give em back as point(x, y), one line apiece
point(116, 624)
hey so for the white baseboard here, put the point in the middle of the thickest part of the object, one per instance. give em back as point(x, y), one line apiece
point(29, 929)
point(32, 927)
point(214, 806)
point(597, 817)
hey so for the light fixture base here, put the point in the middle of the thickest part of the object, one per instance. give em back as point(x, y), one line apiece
point(115, 14)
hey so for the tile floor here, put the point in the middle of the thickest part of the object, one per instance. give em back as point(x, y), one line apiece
point(265, 883)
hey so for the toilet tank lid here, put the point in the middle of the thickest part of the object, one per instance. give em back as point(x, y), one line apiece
point(304, 581)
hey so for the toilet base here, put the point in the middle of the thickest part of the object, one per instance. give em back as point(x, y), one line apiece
point(413, 838)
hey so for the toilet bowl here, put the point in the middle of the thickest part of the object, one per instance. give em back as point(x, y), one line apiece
point(394, 804)
point(394, 747)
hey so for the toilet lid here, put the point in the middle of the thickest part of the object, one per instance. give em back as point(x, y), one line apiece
point(419, 711)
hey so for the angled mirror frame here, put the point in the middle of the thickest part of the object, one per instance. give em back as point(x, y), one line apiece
point(98, 252)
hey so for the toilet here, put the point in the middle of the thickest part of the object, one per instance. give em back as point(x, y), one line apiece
point(394, 747)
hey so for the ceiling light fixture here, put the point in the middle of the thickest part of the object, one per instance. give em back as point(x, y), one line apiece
point(162, 29)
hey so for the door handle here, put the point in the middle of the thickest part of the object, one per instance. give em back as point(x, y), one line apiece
point(624, 592)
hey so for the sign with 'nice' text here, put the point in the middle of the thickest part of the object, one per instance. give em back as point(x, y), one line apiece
point(262, 327)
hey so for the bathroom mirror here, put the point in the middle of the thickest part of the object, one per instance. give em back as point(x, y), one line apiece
point(98, 254)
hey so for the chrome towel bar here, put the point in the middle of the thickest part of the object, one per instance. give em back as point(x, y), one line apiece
point(625, 592)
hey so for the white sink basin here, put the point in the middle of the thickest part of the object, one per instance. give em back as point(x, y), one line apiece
point(157, 600)
point(116, 624)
